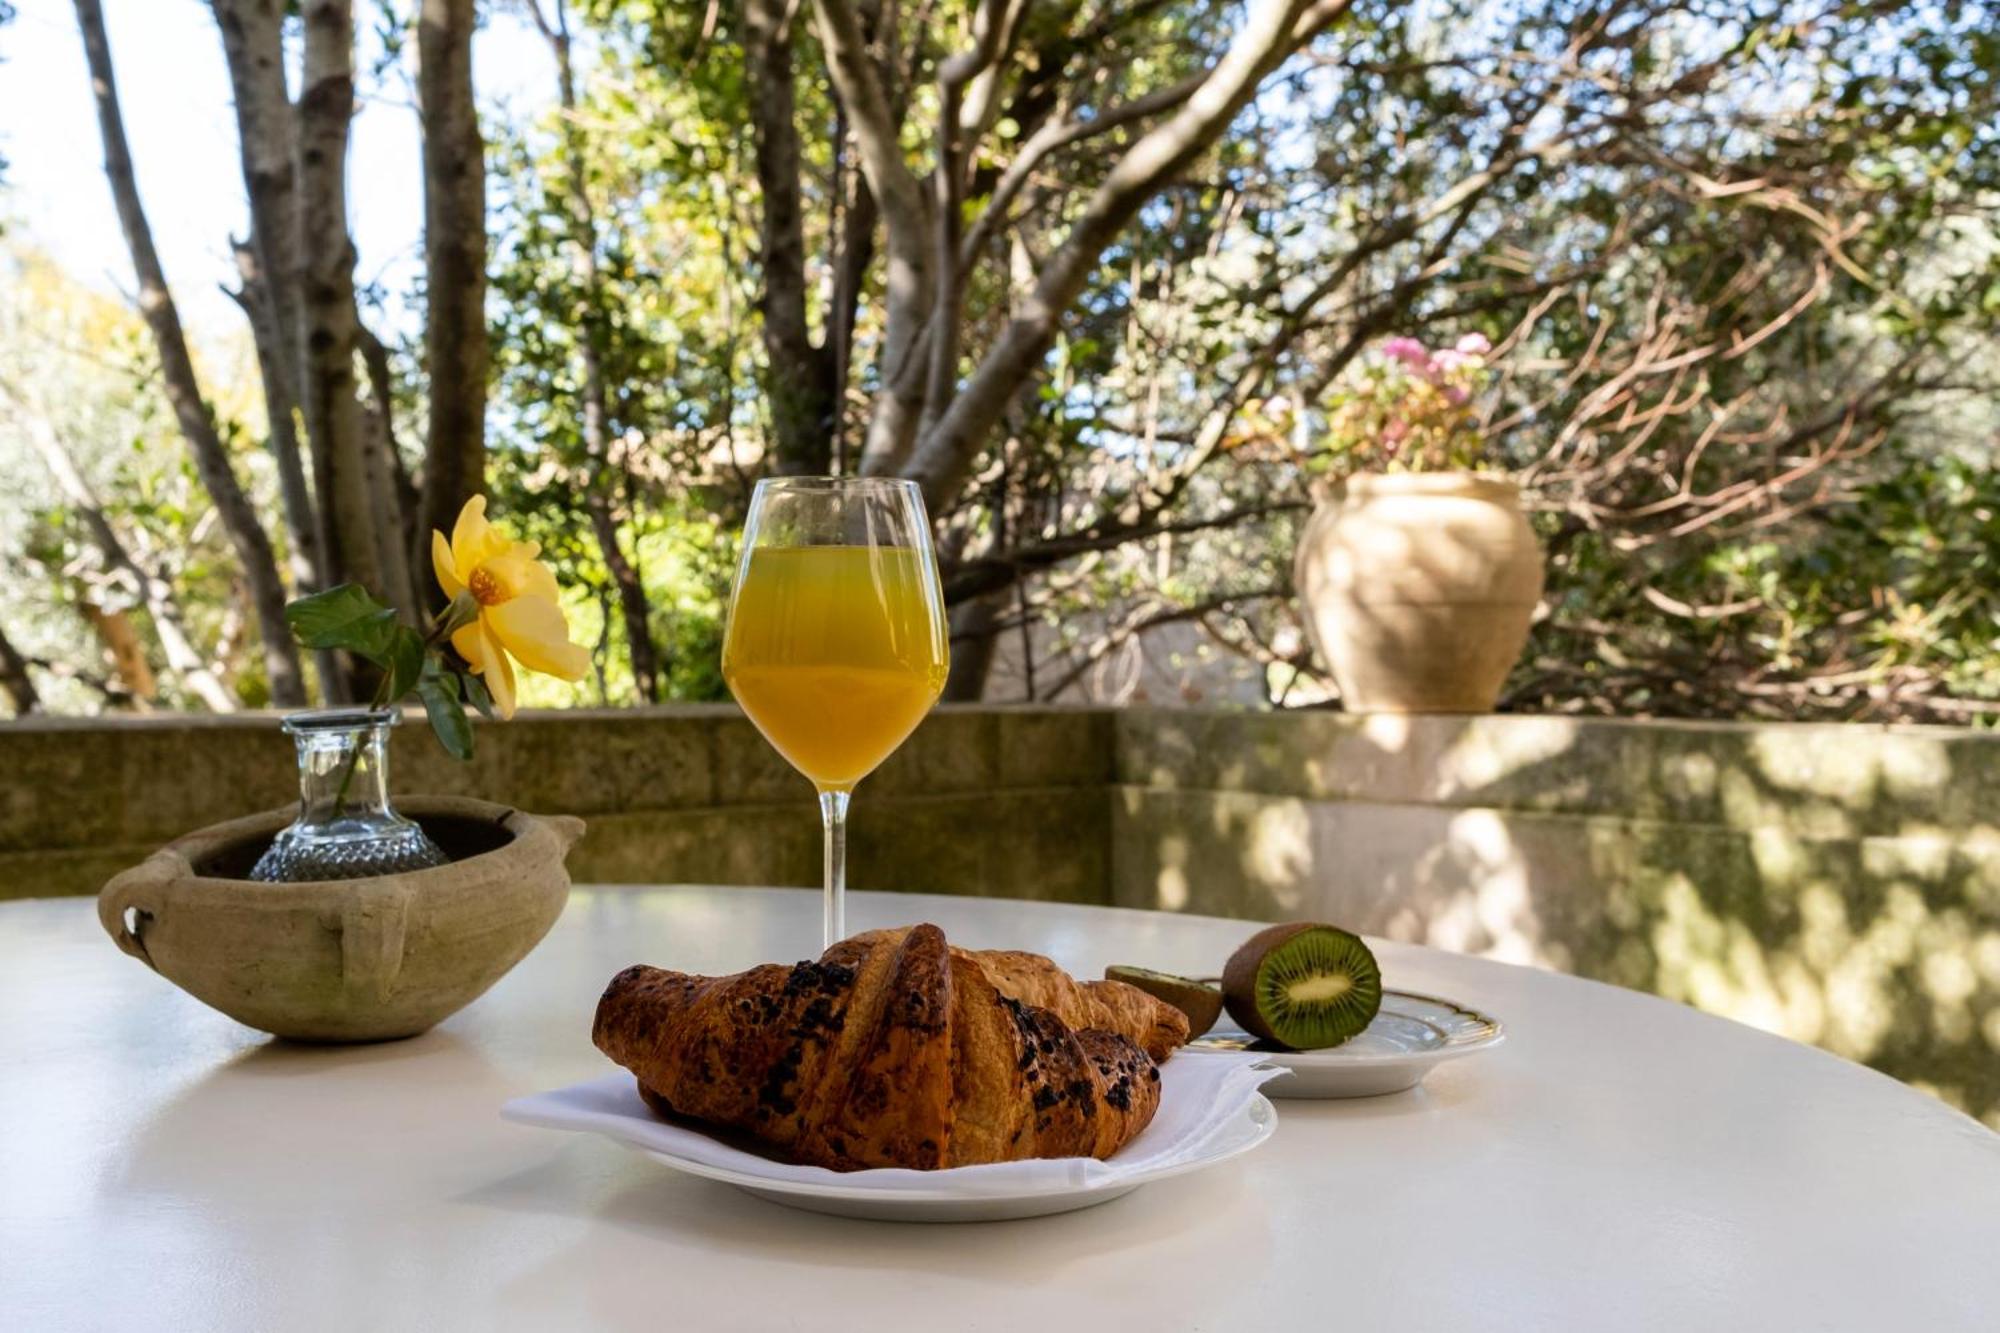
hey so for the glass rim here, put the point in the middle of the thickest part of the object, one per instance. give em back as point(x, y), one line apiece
point(832, 484)
point(312, 721)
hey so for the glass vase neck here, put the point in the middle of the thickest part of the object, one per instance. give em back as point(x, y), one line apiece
point(343, 762)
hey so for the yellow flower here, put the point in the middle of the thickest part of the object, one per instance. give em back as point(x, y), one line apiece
point(518, 614)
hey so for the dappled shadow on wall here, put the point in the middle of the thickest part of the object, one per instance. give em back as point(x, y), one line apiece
point(1836, 893)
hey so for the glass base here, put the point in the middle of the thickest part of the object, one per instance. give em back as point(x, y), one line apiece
point(294, 857)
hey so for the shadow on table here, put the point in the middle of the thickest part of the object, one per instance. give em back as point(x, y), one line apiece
point(598, 1182)
point(251, 1102)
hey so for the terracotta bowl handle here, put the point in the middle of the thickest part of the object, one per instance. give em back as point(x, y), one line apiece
point(136, 891)
point(567, 828)
point(373, 922)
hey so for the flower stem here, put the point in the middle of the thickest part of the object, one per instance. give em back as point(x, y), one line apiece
point(354, 756)
point(454, 616)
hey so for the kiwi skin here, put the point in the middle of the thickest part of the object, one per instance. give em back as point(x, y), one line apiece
point(1246, 965)
point(1199, 1000)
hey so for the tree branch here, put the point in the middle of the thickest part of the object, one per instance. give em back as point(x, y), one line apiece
point(191, 410)
point(900, 198)
point(1272, 30)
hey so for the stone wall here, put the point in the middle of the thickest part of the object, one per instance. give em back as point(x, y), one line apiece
point(1838, 884)
point(1014, 803)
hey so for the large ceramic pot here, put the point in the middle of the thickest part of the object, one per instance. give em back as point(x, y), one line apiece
point(364, 959)
point(1418, 589)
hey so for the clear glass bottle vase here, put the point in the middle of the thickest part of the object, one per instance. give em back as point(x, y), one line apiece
point(346, 828)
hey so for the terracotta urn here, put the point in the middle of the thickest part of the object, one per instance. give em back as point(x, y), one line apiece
point(1418, 588)
point(365, 959)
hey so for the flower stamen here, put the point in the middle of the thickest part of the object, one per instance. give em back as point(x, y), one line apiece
point(485, 587)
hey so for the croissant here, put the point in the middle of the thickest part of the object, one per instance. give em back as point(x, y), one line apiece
point(1156, 1026)
point(893, 1050)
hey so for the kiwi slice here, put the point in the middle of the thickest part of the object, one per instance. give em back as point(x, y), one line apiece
point(1201, 1001)
point(1304, 985)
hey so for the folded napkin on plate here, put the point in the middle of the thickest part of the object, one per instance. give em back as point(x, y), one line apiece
point(1198, 1098)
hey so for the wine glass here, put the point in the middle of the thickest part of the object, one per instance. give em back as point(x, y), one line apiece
point(836, 645)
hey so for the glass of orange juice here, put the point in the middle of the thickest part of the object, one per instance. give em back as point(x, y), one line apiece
point(836, 645)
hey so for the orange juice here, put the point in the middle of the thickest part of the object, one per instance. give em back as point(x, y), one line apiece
point(836, 653)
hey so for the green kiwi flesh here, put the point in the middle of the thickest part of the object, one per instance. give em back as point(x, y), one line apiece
point(1305, 985)
point(1199, 1000)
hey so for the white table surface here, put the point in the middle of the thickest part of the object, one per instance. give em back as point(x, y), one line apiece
point(1619, 1163)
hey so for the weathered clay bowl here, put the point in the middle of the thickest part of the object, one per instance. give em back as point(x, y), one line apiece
point(345, 960)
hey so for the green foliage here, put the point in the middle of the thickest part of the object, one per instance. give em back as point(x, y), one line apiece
point(1740, 267)
point(347, 619)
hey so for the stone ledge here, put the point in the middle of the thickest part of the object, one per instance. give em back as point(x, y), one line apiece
point(1045, 843)
point(144, 781)
point(1830, 780)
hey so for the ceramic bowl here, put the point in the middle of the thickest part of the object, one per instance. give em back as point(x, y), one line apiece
point(345, 960)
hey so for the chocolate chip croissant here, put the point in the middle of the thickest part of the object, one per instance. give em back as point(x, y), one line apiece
point(893, 1050)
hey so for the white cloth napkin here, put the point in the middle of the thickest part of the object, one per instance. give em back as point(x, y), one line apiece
point(1199, 1097)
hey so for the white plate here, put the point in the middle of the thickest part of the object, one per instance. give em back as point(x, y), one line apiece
point(1232, 1139)
point(1412, 1035)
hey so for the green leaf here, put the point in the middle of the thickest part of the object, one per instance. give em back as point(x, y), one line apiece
point(344, 617)
point(464, 609)
point(476, 695)
point(447, 716)
point(406, 662)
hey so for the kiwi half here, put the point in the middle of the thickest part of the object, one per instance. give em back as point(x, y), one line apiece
point(1199, 1000)
point(1304, 985)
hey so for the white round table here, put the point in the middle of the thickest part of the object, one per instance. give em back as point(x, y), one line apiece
point(1619, 1163)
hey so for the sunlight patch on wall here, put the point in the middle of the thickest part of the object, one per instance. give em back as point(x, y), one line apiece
point(1484, 755)
point(1277, 851)
point(1494, 916)
point(1172, 882)
point(1388, 732)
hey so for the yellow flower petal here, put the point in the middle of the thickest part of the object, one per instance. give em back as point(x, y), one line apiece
point(470, 640)
point(444, 566)
point(537, 581)
point(471, 536)
point(499, 675)
point(533, 631)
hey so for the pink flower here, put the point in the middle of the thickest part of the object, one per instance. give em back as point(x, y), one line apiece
point(1456, 394)
point(1394, 432)
point(1473, 344)
point(1450, 360)
point(1410, 352)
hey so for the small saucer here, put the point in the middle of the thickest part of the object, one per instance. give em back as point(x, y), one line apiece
point(1409, 1037)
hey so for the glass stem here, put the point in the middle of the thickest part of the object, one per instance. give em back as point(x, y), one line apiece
point(833, 817)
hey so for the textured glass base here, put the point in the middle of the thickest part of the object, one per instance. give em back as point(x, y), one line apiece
point(292, 859)
point(346, 828)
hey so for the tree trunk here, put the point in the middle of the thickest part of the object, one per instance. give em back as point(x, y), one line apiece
point(798, 375)
point(973, 642)
point(280, 413)
point(156, 593)
point(126, 651)
point(633, 605)
point(594, 414)
point(454, 262)
point(382, 404)
point(15, 682)
point(197, 426)
point(253, 49)
point(274, 360)
point(326, 298)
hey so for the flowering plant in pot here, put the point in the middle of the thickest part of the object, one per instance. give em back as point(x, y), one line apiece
point(503, 609)
point(368, 924)
point(1417, 573)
